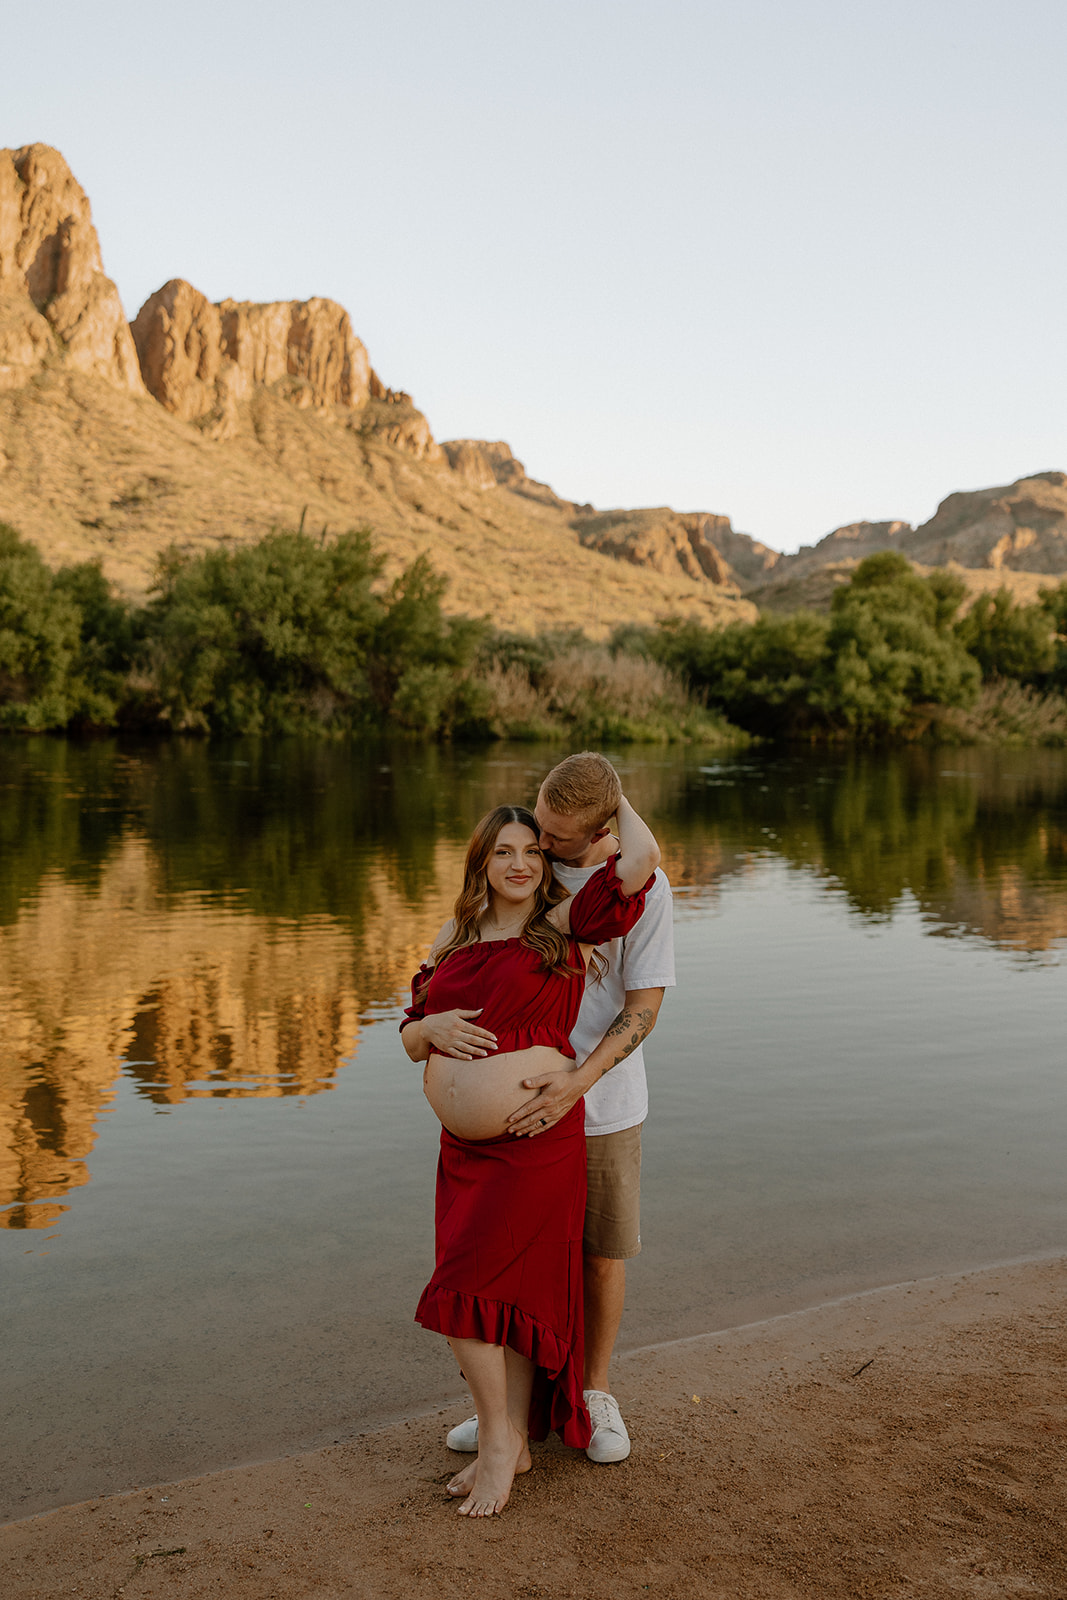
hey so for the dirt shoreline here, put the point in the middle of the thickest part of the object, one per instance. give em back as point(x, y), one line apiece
point(907, 1441)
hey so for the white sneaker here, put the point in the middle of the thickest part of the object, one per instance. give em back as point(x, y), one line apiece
point(464, 1436)
point(610, 1441)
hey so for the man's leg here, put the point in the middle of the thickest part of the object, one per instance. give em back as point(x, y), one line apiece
point(605, 1295)
point(612, 1235)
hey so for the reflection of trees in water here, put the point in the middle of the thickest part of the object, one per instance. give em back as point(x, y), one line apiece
point(44, 827)
point(288, 828)
point(291, 829)
point(977, 837)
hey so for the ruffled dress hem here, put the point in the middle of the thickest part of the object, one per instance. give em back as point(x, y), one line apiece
point(556, 1404)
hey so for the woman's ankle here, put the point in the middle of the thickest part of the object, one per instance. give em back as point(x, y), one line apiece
point(499, 1434)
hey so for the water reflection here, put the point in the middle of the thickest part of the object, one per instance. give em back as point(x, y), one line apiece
point(977, 839)
point(111, 963)
point(221, 923)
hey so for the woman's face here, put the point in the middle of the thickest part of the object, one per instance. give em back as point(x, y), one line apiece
point(516, 865)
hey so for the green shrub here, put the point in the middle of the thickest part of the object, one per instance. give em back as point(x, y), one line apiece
point(108, 641)
point(415, 643)
point(273, 637)
point(891, 648)
point(759, 674)
point(40, 635)
point(1008, 640)
point(1054, 603)
point(886, 650)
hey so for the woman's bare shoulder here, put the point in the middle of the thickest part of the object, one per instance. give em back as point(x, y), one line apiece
point(560, 915)
point(447, 930)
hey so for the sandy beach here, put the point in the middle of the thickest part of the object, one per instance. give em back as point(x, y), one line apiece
point(905, 1442)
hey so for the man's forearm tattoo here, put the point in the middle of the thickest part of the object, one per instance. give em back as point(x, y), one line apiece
point(628, 1030)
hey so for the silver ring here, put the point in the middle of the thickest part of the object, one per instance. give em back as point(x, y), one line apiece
point(544, 1122)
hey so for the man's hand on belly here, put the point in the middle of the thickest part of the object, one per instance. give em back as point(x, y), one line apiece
point(453, 1033)
point(557, 1093)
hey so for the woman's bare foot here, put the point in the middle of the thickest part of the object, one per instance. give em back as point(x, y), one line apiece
point(462, 1484)
point(493, 1474)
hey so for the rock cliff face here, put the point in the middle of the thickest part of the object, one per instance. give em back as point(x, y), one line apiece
point(1001, 536)
point(56, 305)
point(697, 545)
point(178, 336)
point(849, 543)
point(749, 560)
point(201, 360)
point(485, 464)
point(669, 541)
point(393, 419)
point(470, 460)
point(1021, 527)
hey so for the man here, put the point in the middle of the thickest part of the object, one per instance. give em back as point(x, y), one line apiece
point(575, 804)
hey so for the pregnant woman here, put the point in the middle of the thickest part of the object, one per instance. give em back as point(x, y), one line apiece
point(507, 1286)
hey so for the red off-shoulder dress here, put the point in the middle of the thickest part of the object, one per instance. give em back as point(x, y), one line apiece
point(510, 1212)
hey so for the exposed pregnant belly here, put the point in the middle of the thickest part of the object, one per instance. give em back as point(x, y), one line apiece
point(474, 1099)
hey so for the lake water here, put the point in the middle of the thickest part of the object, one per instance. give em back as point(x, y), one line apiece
point(216, 1165)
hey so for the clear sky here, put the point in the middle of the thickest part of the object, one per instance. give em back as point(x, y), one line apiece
point(796, 261)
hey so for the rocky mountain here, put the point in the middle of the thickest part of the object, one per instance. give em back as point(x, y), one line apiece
point(201, 360)
point(485, 465)
point(207, 422)
point(55, 301)
point(850, 543)
point(1013, 537)
point(1021, 527)
point(697, 543)
point(213, 422)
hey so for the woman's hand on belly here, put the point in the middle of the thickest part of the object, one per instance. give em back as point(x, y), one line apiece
point(474, 1099)
point(454, 1033)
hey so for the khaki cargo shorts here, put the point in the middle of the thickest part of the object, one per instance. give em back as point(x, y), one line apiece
point(613, 1206)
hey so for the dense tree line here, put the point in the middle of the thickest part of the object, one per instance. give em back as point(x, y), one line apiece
point(893, 656)
point(289, 635)
point(294, 635)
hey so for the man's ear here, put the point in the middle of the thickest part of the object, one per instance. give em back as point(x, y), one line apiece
point(601, 833)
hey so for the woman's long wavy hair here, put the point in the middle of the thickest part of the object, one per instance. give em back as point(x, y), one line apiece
point(537, 932)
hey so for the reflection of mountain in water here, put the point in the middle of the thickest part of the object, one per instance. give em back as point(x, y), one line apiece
point(195, 996)
point(1004, 908)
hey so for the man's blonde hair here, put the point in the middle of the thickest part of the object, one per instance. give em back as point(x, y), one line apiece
point(585, 787)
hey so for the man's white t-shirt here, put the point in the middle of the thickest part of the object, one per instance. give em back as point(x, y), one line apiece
point(641, 959)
